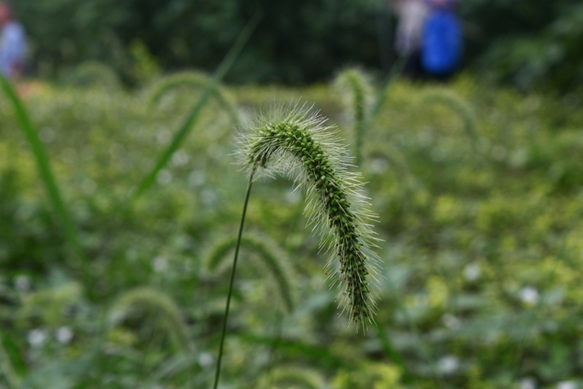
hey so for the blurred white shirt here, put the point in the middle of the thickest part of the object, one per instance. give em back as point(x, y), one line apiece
point(412, 15)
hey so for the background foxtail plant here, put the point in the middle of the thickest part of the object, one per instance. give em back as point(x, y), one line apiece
point(267, 257)
point(457, 105)
point(48, 305)
point(97, 73)
point(295, 142)
point(397, 162)
point(161, 307)
point(191, 79)
point(354, 88)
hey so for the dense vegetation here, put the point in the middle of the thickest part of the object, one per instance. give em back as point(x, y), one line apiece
point(479, 196)
point(526, 42)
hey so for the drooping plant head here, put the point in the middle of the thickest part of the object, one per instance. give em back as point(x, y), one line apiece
point(355, 90)
point(270, 258)
point(161, 306)
point(93, 72)
point(191, 79)
point(457, 104)
point(295, 142)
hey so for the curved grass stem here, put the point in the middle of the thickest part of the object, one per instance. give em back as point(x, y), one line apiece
point(231, 282)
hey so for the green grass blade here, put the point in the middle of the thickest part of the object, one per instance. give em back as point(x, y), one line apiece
point(188, 124)
point(6, 367)
point(294, 349)
point(396, 358)
point(392, 76)
point(44, 168)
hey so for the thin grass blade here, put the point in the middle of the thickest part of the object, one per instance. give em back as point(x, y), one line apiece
point(188, 124)
point(44, 169)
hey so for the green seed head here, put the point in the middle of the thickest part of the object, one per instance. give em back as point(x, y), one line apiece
point(295, 142)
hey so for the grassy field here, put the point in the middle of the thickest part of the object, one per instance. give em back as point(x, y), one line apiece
point(478, 192)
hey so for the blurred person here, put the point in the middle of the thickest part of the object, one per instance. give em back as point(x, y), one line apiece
point(442, 40)
point(411, 15)
point(12, 43)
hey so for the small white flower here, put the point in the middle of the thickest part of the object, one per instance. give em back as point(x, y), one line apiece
point(205, 359)
point(472, 272)
point(567, 385)
point(208, 197)
point(527, 383)
point(64, 335)
point(529, 295)
point(160, 264)
point(196, 178)
point(449, 364)
point(164, 177)
point(22, 283)
point(451, 322)
point(180, 158)
point(36, 337)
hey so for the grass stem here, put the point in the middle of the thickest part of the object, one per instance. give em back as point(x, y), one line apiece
point(218, 372)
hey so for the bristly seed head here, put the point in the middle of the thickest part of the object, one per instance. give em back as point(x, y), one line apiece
point(295, 142)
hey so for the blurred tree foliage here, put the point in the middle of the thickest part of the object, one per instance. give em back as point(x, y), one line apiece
point(527, 42)
point(298, 40)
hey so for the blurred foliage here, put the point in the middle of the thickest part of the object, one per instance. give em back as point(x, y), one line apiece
point(481, 255)
point(526, 42)
point(294, 35)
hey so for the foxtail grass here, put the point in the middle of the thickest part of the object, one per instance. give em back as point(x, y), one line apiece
point(191, 79)
point(354, 87)
point(49, 303)
point(393, 75)
point(269, 257)
point(393, 155)
point(398, 163)
point(295, 142)
point(456, 104)
point(162, 308)
point(96, 73)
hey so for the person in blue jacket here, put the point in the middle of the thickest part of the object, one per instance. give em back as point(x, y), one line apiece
point(442, 40)
point(12, 43)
